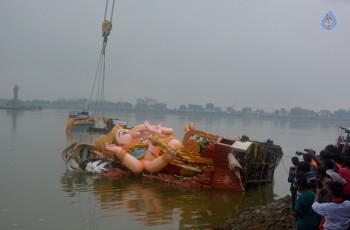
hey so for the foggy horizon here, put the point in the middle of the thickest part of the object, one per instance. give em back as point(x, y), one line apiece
point(258, 54)
point(177, 107)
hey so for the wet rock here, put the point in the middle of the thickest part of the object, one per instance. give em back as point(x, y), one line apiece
point(277, 215)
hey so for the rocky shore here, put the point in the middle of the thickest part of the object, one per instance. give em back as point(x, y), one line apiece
point(277, 215)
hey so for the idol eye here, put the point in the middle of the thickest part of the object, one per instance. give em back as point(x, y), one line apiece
point(121, 133)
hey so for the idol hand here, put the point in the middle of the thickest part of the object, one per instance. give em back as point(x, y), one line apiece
point(155, 129)
point(113, 147)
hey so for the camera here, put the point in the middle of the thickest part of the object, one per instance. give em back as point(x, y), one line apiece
point(299, 153)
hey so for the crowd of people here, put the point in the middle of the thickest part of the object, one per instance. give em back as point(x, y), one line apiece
point(320, 188)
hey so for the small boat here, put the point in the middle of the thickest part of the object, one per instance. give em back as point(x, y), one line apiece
point(343, 139)
point(82, 118)
point(109, 124)
point(207, 161)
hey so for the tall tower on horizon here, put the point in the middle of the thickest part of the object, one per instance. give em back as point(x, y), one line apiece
point(15, 95)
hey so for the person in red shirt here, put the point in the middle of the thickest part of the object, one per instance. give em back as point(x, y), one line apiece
point(345, 174)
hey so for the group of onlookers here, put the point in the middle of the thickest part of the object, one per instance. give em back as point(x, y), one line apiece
point(320, 188)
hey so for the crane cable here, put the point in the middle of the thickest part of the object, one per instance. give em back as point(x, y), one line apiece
point(101, 67)
point(107, 25)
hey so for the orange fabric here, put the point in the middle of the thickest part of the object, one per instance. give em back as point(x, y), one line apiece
point(314, 163)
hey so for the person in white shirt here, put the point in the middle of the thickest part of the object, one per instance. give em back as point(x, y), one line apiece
point(336, 212)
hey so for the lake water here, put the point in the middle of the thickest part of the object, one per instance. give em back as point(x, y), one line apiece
point(37, 192)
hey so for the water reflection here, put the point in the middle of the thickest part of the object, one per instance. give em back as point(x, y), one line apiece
point(81, 135)
point(282, 124)
point(302, 124)
point(159, 205)
point(14, 113)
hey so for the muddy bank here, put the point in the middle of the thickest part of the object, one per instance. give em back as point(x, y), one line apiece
point(275, 215)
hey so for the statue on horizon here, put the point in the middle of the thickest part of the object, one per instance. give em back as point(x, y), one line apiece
point(15, 94)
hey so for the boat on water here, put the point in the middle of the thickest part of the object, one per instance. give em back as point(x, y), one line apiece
point(207, 161)
point(343, 139)
point(343, 136)
point(81, 118)
point(109, 124)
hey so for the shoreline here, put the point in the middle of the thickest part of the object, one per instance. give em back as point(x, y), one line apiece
point(275, 215)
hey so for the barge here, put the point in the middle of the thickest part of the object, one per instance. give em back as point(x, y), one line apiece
point(207, 161)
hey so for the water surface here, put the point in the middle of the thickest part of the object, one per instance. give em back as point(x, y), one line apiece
point(38, 193)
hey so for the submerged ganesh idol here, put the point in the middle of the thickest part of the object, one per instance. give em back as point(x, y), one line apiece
point(202, 160)
point(145, 147)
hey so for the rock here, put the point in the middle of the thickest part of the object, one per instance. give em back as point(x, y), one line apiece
point(277, 215)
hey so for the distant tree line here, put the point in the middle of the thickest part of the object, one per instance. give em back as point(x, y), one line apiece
point(149, 105)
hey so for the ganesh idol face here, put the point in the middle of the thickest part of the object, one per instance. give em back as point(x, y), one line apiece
point(123, 137)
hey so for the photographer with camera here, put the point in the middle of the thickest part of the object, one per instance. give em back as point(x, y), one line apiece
point(307, 218)
point(336, 214)
point(291, 177)
point(310, 156)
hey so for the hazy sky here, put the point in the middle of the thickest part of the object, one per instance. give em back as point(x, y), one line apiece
point(264, 54)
